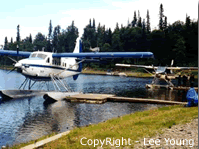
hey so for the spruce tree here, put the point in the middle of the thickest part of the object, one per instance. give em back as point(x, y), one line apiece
point(55, 39)
point(165, 23)
point(90, 23)
point(11, 41)
point(117, 27)
point(49, 37)
point(143, 27)
point(6, 44)
point(139, 20)
point(188, 21)
point(58, 29)
point(148, 28)
point(93, 23)
point(50, 31)
point(18, 34)
point(161, 17)
point(134, 22)
point(30, 38)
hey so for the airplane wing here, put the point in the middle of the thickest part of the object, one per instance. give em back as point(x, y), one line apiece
point(137, 66)
point(15, 53)
point(182, 68)
point(106, 55)
point(84, 55)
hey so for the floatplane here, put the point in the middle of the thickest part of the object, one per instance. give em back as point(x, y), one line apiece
point(161, 72)
point(49, 66)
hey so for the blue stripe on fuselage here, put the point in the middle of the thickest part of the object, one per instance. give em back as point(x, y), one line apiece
point(48, 66)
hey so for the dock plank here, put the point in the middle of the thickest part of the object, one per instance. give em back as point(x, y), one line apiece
point(89, 98)
point(143, 100)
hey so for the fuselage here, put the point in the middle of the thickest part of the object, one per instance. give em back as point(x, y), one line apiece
point(41, 66)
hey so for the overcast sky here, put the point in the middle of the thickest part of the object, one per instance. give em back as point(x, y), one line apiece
point(34, 16)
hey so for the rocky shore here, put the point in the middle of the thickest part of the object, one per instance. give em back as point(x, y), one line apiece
point(180, 136)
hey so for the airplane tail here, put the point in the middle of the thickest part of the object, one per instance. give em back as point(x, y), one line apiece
point(78, 49)
point(172, 61)
point(78, 46)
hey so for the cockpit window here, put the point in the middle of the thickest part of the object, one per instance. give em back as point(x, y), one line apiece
point(33, 55)
point(43, 56)
point(39, 55)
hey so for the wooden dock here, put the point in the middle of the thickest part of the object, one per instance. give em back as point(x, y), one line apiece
point(143, 100)
point(102, 98)
point(89, 98)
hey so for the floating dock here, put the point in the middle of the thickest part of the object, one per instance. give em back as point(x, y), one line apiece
point(10, 94)
point(143, 100)
point(89, 98)
point(52, 96)
point(102, 98)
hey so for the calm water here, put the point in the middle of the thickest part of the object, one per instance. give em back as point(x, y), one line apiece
point(25, 119)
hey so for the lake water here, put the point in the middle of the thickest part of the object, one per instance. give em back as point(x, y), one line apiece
point(26, 119)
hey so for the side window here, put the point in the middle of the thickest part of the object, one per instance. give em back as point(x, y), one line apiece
point(48, 60)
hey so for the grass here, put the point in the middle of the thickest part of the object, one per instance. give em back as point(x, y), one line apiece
point(134, 126)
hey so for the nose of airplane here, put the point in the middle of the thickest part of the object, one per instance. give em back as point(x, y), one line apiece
point(18, 65)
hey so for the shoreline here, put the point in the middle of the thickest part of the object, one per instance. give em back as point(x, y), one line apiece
point(122, 74)
point(102, 72)
point(137, 121)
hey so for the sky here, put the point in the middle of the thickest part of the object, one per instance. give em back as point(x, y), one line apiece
point(34, 16)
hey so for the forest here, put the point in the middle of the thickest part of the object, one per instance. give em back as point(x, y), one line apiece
point(177, 41)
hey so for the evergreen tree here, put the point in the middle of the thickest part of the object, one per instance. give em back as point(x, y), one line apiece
point(30, 38)
point(93, 23)
point(116, 43)
point(117, 27)
point(18, 34)
point(55, 39)
point(165, 23)
point(139, 20)
point(11, 41)
point(161, 17)
point(50, 31)
point(49, 47)
point(148, 28)
point(99, 36)
point(143, 27)
point(71, 37)
point(90, 23)
point(188, 21)
point(134, 22)
point(58, 29)
point(6, 44)
point(40, 41)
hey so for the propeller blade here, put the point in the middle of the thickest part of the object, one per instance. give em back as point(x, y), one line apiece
point(12, 59)
point(11, 70)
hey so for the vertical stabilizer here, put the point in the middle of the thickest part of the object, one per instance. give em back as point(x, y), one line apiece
point(78, 49)
point(77, 46)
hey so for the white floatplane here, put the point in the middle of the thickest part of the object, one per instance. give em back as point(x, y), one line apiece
point(49, 66)
point(161, 72)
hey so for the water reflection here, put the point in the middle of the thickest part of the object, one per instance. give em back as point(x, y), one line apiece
point(164, 94)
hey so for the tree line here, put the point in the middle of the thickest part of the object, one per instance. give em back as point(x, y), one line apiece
point(177, 41)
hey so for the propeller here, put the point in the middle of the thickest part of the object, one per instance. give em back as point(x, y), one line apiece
point(11, 70)
point(13, 64)
point(12, 59)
